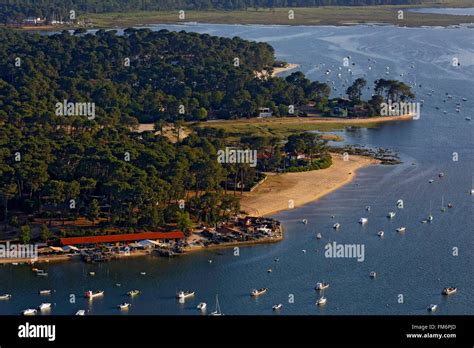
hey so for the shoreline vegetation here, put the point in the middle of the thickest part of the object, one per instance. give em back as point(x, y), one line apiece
point(274, 194)
point(283, 126)
point(313, 16)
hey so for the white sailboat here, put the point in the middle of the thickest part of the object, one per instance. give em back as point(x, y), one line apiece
point(443, 208)
point(217, 312)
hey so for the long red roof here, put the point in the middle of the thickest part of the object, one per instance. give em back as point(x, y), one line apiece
point(112, 238)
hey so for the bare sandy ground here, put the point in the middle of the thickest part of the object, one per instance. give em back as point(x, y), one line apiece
point(275, 193)
point(290, 66)
point(276, 71)
point(168, 131)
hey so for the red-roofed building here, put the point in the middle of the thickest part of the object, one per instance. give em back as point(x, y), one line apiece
point(129, 237)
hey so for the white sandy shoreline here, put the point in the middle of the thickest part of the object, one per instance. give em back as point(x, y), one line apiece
point(274, 195)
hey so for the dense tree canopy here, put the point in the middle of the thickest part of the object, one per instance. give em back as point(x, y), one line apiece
point(142, 74)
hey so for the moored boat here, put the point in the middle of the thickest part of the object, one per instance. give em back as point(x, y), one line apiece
point(124, 306)
point(81, 312)
point(217, 312)
point(5, 297)
point(202, 306)
point(45, 292)
point(45, 306)
point(90, 294)
point(449, 291)
point(322, 300)
point(321, 286)
point(255, 292)
point(29, 311)
point(41, 273)
point(185, 294)
point(132, 293)
point(277, 307)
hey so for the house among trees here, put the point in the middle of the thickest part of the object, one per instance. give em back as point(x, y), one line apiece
point(34, 21)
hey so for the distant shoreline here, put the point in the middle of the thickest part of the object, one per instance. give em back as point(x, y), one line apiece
point(303, 16)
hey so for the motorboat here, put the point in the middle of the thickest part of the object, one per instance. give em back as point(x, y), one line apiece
point(432, 307)
point(401, 229)
point(449, 291)
point(45, 292)
point(304, 221)
point(202, 306)
point(81, 312)
point(363, 221)
point(29, 311)
point(277, 307)
point(322, 300)
point(391, 215)
point(132, 293)
point(337, 225)
point(319, 236)
point(5, 297)
point(321, 286)
point(91, 294)
point(373, 274)
point(380, 233)
point(124, 306)
point(185, 294)
point(400, 204)
point(45, 307)
point(255, 292)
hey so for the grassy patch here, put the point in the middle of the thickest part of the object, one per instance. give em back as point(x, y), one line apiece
point(282, 127)
point(302, 16)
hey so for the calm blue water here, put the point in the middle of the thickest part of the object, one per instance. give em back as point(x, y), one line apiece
point(417, 264)
point(449, 11)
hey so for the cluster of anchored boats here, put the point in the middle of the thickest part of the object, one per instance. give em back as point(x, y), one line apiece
point(364, 220)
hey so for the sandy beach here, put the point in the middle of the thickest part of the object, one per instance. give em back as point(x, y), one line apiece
point(274, 194)
point(290, 66)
